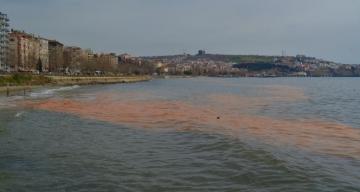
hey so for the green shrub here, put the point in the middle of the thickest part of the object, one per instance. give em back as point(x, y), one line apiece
point(188, 73)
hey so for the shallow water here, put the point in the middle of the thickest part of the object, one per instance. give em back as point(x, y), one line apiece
point(196, 134)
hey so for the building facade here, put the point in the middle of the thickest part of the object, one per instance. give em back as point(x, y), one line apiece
point(13, 52)
point(107, 62)
point(43, 61)
point(28, 53)
point(74, 58)
point(19, 51)
point(34, 55)
point(201, 52)
point(124, 58)
point(4, 30)
point(56, 56)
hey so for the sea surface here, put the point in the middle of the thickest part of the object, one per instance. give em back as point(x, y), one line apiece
point(184, 134)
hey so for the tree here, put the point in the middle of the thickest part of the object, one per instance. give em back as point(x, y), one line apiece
point(39, 66)
point(188, 72)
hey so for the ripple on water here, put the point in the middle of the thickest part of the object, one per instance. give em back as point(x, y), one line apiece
point(311, 134)
point(99, 143)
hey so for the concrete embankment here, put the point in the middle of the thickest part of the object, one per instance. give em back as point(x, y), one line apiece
point(67, 80)
point(16, 88)
point(64, 80)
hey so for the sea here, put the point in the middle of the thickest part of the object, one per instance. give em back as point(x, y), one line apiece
point(184, 134)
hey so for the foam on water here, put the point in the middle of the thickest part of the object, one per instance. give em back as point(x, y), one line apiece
point(19, 114)
point(51, 92)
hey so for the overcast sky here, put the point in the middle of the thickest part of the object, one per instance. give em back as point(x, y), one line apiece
point(328, 29)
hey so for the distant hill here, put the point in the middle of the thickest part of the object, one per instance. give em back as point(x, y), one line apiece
point(262, 65)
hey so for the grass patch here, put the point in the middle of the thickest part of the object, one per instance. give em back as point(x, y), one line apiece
point(250, 59)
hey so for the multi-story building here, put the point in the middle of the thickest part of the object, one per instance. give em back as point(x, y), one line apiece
point(28, 53)
point(56, 56)
point(124, 58)
point(201, 52)
point(4, 30)
point(91, 56)
point(34, 55)
point(43, 61)
point(19, 51)
point(13, 52)
point(74, 57)
point(107, 62)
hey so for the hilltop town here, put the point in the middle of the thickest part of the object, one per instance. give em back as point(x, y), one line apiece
point(22, 52)
point(250, 65)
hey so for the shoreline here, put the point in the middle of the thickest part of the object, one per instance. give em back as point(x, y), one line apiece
point(67, 81)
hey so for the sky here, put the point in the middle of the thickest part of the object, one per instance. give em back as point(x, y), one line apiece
point(328, 29)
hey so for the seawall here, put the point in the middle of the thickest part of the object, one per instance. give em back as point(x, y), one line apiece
point(69, 80)
point(66, 80)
